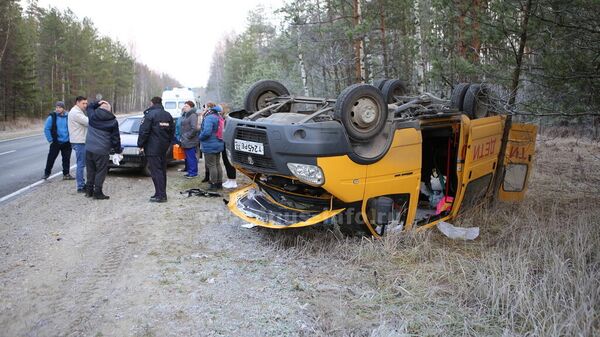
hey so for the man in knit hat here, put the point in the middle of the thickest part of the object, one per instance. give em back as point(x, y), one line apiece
point(78, 124)
point(56, 131)
point(102, 139)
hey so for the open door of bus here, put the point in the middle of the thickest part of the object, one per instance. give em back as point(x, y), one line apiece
point(518, 160)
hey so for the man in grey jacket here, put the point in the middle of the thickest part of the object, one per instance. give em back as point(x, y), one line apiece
point(102, 138)
point(78, 124)
point(189, 138)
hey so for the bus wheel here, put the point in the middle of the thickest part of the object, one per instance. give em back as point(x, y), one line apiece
point(393, 88)
point(362, 110)
point(476, 102)
point(379, 83)
point(458, 96)
point(260, 93)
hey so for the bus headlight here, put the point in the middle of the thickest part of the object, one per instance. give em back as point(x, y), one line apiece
point(309, 174)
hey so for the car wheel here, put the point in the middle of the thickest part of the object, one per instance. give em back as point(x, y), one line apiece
point(458, 96)
point(261, 92)
point(392, 88)
point(476, 102)
point(362, 110)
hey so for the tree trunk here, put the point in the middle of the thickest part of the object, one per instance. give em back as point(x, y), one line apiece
point(526, 10)
point(301, 61)
point(461, 43)
point(383, 39)
point(323, 59)
point(8, 23)
point(475, 43)
point(359, 68)
point(419, 60)
point(337, 78)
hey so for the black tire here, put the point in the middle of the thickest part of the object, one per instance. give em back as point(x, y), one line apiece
point(458, 96)
point(476, 102)
point(260, 91)
point(362, 110)
point(392, 88)
point(379, 83)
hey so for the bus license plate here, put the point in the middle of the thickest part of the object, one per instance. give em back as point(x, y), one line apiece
point(250, 147)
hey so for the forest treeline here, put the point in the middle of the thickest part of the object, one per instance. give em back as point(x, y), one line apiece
point(48, 55)
point(540, 56)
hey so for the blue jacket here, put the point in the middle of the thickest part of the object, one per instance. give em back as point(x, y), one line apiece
point(208, 134)
point(62, 128)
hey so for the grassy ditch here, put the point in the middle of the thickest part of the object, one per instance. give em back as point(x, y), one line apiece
point(535, 270)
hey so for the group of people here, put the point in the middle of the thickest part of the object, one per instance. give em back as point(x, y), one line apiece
point(204, 128)
point(92, 131)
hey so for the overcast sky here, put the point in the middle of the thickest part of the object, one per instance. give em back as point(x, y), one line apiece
point(173, 36)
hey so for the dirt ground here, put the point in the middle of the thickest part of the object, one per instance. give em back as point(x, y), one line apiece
point(72, 266)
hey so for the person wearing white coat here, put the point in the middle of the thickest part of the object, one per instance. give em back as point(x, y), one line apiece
point(78, 125)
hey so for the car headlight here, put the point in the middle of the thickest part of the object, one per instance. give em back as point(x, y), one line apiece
point(310, 174)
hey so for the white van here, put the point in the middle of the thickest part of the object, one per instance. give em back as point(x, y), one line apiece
point(174, 99)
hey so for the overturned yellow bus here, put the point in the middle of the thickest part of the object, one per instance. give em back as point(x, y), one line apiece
point(374, 160)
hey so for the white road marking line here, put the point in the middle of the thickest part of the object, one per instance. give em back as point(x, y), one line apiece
point(41, 181)
point(7, 152)
point(8, 140)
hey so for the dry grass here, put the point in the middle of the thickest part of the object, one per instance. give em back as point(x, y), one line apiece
point(534, 271)
point(22, 123)
point(21, 127)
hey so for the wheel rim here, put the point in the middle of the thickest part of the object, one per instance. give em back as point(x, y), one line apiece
point(262, 101)
point(365, 114)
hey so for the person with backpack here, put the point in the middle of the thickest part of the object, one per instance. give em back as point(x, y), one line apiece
point(211, 141)
point(201, 114)
point(229, 169)
point(56, 131)
point(189, 138)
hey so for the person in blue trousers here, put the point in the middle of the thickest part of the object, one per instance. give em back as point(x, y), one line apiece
point(189, 138)
point(78, 126)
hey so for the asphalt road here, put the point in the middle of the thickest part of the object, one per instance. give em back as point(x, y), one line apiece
point(22, 163)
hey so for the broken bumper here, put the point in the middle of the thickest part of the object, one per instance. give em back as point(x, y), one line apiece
point(256, 207)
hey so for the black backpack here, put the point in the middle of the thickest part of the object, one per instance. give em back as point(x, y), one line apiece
point(54, 128)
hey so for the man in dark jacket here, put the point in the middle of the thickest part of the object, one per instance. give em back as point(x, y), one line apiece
point(156, 133)
point(102, 139)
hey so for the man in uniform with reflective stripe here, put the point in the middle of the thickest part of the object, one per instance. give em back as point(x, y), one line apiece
point(155, 136)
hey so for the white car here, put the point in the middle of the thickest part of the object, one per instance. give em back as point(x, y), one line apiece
point(132, 158)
